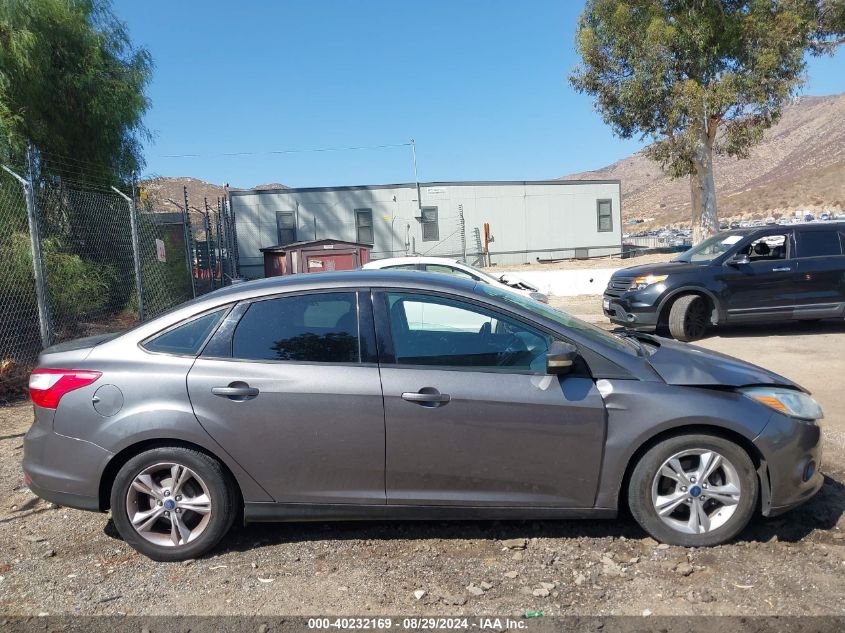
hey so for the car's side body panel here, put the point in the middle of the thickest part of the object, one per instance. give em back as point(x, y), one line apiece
point(503, 439)
point(315, 433)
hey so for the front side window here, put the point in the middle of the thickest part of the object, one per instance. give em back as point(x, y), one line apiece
point(604, 210)
point(187, 338)
point(818, 243)
point(364, 225)
point(430, 228)
point(767, 248)
point(320, 328)
point(441, 332)
point(582, 328)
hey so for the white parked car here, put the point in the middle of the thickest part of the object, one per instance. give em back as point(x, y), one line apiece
point(447, 266)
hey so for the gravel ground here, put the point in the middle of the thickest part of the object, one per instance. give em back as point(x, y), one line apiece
point(59, 561)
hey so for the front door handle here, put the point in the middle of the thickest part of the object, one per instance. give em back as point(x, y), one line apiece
point(785, 269)
point(237, 391)
point(427, 397)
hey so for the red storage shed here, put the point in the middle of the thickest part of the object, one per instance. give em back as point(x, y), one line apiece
point(315, 256)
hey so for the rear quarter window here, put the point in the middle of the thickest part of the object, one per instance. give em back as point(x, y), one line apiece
point(186, 338)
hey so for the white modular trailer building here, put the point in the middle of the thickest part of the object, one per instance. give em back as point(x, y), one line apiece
point(528, 220)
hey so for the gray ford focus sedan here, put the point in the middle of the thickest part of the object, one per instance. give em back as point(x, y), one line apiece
point(391, 395)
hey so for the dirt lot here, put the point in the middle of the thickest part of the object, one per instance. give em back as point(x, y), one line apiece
point(54, 560)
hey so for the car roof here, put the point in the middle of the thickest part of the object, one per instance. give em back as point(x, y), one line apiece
point(812, 226)
point(411, 259)
point(345, 279)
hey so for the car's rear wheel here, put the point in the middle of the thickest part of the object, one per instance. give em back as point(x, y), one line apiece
point(173, 503)
point(688, 318)
point(693, 490)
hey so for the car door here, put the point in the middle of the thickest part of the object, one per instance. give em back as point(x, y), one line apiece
point(767, 286)
point(821, 264)
point(289, 386)
point(471, 417)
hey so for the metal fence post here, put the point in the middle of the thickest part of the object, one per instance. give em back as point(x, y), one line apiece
point(37, 259)
point(136, 251)
point(208, 232)
point(186, 220)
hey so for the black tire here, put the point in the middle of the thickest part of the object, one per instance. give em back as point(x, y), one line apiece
point(640, 490)
point(688, 318)
point(222, 493)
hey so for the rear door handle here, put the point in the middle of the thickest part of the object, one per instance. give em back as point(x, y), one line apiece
point(236, 391)
point(427, 397)
point(785, 269)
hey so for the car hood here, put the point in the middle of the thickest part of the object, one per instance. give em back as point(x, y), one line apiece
point(661, 268)
point(684, 364)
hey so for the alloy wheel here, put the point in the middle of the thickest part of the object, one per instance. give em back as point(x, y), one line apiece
point(168, 504)
point(696, 491)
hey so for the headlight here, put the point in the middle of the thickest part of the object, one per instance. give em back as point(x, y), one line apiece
point(646, 280)
point(539, 296)
point(787, 401)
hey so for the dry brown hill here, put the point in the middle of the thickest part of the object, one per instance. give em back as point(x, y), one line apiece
point(164, 190)
point(799, 165)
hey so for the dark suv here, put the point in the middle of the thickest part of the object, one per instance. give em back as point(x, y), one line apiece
point(771, 273)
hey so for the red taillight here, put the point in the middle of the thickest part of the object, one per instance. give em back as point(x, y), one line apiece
point(47, 386)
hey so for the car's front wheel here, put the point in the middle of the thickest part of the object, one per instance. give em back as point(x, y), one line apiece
point(173, 503)
point(693, 490)
point(688, 318)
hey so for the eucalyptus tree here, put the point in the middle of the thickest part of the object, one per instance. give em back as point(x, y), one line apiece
point(699, 77)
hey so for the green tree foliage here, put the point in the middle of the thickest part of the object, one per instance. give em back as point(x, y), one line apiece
point(699, 76)
point(72, 84)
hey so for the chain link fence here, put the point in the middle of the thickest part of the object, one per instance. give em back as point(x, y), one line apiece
point(20, 338)
point(86, 260)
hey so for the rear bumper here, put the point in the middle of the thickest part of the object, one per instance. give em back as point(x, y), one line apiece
point(793, 452)
point(63, 469)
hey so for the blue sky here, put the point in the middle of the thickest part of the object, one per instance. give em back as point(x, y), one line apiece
point(479, 84)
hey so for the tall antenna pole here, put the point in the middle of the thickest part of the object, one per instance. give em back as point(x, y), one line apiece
point(416, 177)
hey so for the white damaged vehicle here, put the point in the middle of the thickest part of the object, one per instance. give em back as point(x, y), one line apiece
point(446, 266)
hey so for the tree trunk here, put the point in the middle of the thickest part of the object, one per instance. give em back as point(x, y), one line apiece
point(705, 221)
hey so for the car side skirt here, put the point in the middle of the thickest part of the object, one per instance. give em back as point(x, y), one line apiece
point(282, 512)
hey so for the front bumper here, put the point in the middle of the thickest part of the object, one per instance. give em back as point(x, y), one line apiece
point(63, 469)
point(793, 453)
point(632, 312)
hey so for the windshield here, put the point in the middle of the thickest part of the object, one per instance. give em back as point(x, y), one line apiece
point(568, 321)
point(710, 249)
point(487, 278)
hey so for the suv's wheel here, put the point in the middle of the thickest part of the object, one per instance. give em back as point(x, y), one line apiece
point(693, 490)
point(688, 318)
point(172, 503)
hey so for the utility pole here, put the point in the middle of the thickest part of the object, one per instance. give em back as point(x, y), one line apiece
point(416, 177)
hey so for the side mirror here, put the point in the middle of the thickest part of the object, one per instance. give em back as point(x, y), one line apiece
point(739, 259)
point(560, 357)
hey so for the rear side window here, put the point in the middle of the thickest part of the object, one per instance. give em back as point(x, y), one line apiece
point(818, 243)
point(186, 338)
point(321, 328)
